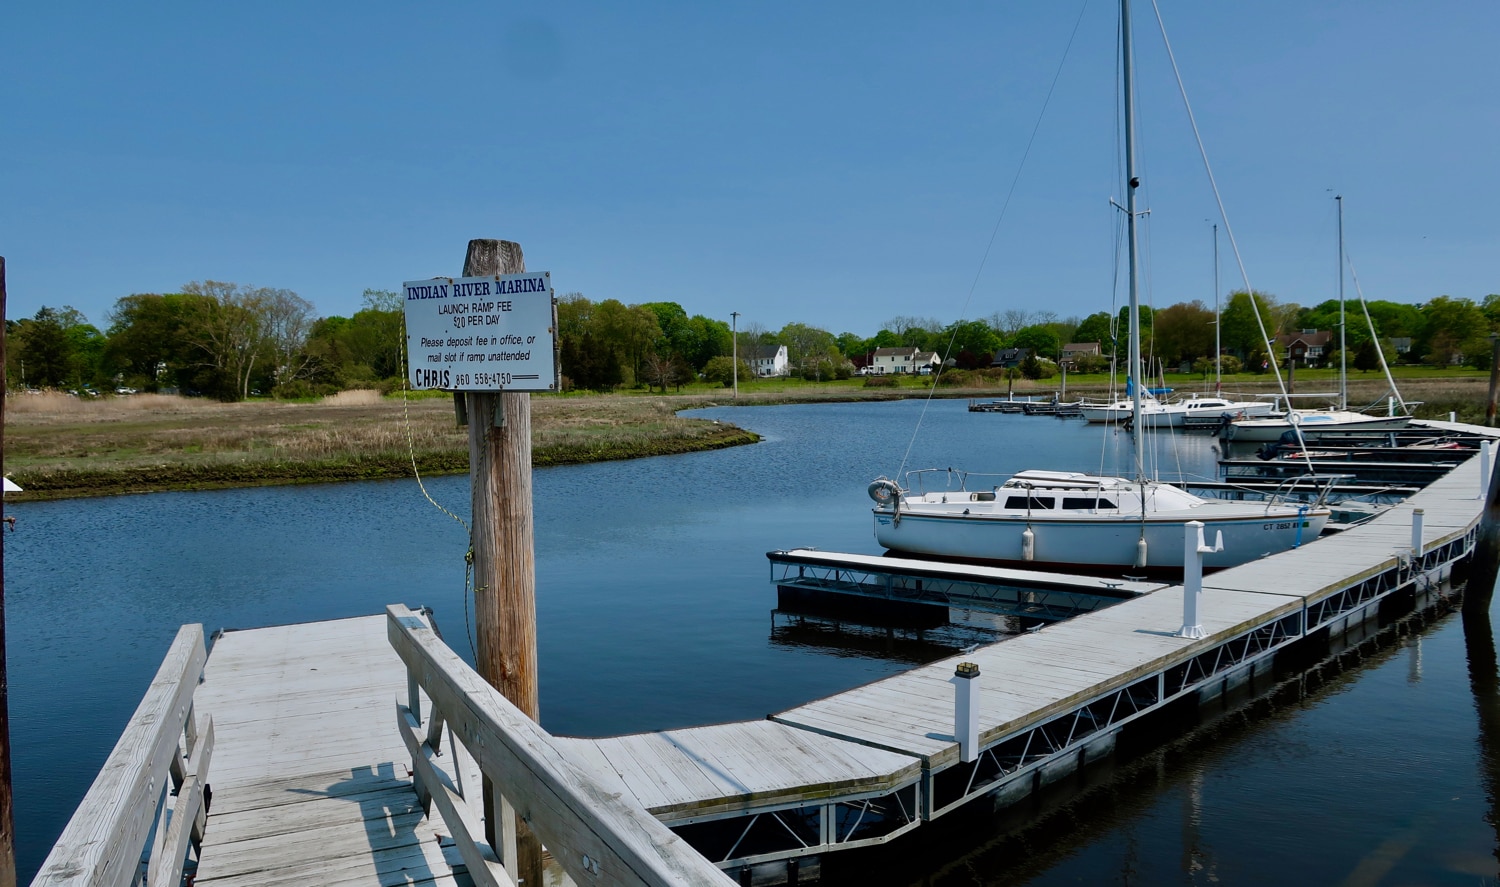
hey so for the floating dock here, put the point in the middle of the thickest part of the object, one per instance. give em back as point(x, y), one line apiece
point(1030, 594)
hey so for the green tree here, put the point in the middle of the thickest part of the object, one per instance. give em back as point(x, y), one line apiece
point(1454, 330)
point(243, 332)
point(147, 339)
point(58, 346)
point(1040, 340)
point(720, 369)
point(628, 332)
point(714, 338)
point(1238, 329)
point(1096, 328)
point(851, 345)
point(808, 349)
point(973, 343)
point(1366, 358)
point(1183, 332)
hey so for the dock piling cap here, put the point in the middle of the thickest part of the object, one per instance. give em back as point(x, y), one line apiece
point(967, 670)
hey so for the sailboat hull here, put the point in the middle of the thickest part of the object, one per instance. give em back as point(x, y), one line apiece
point(1175, 415)
point(1268, 430)
point(1091, 543)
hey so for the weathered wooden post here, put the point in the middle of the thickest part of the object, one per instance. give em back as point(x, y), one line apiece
point(490, 337)
point(504, 544)
point(504, 535)
point(7, 813)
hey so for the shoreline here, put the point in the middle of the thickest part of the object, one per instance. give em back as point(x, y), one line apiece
point(67, 449)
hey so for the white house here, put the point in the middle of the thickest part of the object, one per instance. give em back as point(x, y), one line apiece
point(888, 361)
point(768, 360)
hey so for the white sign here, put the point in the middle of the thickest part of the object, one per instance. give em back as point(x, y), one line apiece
point(492, 333)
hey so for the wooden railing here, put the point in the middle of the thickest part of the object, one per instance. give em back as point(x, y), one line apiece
point(161, 754)
point(596, 837)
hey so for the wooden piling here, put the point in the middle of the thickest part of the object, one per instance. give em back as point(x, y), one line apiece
point(7, 813)
point(504, 544)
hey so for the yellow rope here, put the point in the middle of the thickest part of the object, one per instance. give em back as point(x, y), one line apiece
point(411, 449)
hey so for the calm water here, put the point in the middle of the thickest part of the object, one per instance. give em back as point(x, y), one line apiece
point(655, 611)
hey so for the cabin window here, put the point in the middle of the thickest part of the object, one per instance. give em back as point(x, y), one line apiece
point(1022, 502)
point(1081, 502)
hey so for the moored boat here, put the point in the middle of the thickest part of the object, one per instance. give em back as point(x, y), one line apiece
point(1070, 520)
point(1176, 414)
point(1082, 521)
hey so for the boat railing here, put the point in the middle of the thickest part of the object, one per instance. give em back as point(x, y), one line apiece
point(597, 836)
point(152, 788)
point(956, 480)
point(1321, 484)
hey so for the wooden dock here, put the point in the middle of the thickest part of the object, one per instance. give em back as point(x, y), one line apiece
point(311, 781)
point(332, 741)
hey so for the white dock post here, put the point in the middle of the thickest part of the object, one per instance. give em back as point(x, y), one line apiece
point(1452, 416)
point(1484, 469)
point(1416, 532)
point(965, 683)
point(1193, 550)
point(1390, 406)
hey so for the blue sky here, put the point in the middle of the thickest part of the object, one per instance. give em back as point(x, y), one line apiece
point(830, 164)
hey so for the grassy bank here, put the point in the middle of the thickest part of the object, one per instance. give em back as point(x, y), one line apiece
point(58, 446)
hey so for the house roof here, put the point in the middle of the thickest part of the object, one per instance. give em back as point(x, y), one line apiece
point(893, 352)
point(1007, 355)
point(1081, 348)
point(1312, 340)
point(766, 352)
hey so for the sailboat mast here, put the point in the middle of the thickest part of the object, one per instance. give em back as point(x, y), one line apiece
point(1132, 182)
point(1343, 352)
point(1218, 351)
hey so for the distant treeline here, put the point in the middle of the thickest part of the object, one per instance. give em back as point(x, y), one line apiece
point(231, 341)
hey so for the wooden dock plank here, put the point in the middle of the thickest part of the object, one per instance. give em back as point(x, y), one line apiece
point(310, 776)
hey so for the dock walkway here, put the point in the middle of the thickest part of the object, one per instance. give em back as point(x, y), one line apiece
point(1050, 700)
point(311, 781)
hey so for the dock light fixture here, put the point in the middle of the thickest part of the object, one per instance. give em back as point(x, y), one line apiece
point(965, 683)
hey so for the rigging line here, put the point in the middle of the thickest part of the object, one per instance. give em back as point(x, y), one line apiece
point(994, 232)
point(1379, 352)
point(1234, 245)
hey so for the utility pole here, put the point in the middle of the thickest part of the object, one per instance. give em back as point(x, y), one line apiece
point(504, 543)
point(1489, 407)
point(7, 812)
point(734, 318)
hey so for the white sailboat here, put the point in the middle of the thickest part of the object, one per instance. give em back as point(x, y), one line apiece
point(1159, 414)
point(1073, 520)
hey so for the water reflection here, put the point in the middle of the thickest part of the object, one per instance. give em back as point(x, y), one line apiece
point(1484, 683)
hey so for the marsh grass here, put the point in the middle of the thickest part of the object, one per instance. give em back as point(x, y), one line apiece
point(62, 446)
point(57, 445)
